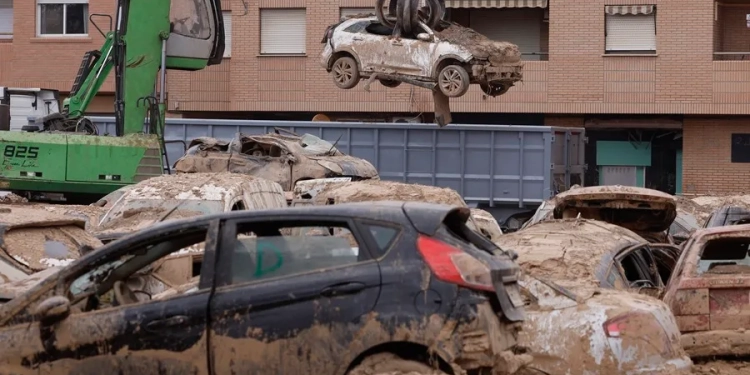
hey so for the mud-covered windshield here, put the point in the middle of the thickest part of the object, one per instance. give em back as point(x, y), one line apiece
point(40, 248)
point(137, 211)
point(190, 18)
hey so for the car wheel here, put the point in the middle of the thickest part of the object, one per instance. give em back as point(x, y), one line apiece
point(390, 83)
point(390, 364)
point(345, 72)
point(453, 81)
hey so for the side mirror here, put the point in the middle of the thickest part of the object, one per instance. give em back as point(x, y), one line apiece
point(424, 37)
point(52, 310)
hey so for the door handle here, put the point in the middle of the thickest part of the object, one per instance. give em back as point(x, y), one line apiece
point(341, 289)
point(357, 38)
point(171, 322)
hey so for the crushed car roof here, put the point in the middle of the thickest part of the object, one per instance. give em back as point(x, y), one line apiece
point(18, 217)
point(739, 230)
point(190, 186)
point(567, 250)
point(379, 190)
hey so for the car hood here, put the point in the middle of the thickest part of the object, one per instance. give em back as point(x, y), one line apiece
point(637, 209)
point(572, 340)
point(480, 46)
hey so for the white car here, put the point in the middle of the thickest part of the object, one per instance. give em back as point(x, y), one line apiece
point(451, 59)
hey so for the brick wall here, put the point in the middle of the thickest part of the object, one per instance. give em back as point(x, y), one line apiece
point(577, 79)
point(707, 166)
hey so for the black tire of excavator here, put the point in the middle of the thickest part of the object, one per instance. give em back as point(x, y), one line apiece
point(389, 19)
point(437, 12)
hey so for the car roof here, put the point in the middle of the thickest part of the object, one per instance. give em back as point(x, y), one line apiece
point(377, 190)
point(14, 217)
point(191, 186)
point(738, 230)
point(567, 249)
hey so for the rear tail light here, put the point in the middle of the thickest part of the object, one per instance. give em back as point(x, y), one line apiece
point(453, 265)
point(639, 327)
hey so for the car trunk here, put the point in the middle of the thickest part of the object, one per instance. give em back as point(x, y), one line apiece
point(644, 211)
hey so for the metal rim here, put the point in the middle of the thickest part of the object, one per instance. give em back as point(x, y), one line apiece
point(451, 81)
point(343, 71)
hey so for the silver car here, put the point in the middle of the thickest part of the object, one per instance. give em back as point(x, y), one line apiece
point(450, 58)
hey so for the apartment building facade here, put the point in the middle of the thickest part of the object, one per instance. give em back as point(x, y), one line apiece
point(662, 86)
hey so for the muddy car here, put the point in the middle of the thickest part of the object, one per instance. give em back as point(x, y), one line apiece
point(283, 158)
point(583, 315)
point(449, 59)
point(728, 215)
point(416, 290)
point(170, 197)
point(648, 212)
point(34, 239)
point(708, 292)
point(336, 191)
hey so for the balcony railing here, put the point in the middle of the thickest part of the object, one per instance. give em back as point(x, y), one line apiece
point(535, 56)
point(731, 56)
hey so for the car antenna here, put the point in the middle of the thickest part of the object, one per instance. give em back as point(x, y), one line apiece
point(334, 144)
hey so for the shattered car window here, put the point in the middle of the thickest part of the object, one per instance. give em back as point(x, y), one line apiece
point(725, 256)
point(133, 211)
point(256, 258)
point(41, 248)
point(357, 27)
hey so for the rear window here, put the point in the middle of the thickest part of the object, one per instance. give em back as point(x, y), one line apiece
point(41, 248)
point(725, 256)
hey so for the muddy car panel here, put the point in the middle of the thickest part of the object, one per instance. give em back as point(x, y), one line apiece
point(708, 292)
point(593, 253)
point(308, 321)
point(600, 331)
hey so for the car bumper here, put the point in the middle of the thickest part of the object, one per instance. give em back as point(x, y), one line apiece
point(504, 73)
point(325, 56)
point(716, 343)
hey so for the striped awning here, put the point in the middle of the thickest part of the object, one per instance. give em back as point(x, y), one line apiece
point(496, 3)
point(628, 9)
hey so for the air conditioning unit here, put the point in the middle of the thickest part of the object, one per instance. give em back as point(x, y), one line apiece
point(407, 119)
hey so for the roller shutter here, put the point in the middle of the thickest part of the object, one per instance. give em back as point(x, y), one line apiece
point(227, 33)
point(283, 31)
point(6, 19)
point(628, 32)
point(521, 27)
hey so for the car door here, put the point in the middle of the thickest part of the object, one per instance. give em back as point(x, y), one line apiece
point(289, 303)
point(153, 337)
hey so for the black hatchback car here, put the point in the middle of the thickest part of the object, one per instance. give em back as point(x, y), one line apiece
point(391, 283)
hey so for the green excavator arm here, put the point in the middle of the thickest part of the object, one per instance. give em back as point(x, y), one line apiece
point(64, 153)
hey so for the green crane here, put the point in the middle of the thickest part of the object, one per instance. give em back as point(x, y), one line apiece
point(65, 154)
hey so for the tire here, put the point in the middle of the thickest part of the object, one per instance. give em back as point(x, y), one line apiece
point(389, 83)
point(453, 81)
point(494, 90)
point(345, 72)
point(391, 364)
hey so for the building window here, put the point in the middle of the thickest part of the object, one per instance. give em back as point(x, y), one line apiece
point(630, 28)
point(62, 17)
point(6, 19)
point(227, 33)
point(283, 32)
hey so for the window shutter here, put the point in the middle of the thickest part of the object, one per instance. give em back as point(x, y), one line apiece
point(521, 27)
point(631, 32)
point(345, 12)
point(227, 33)
point(6, 19)
point(283, 31)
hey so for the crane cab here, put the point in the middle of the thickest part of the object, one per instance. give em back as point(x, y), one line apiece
point(197, 34)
